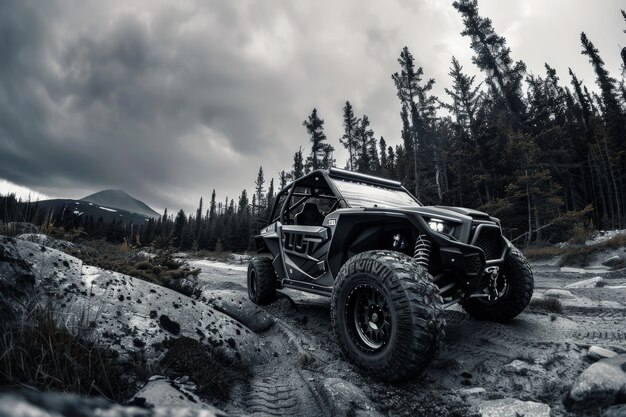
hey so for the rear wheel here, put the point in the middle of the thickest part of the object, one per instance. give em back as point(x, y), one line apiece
point(387, 314)
point(515, 285)
point(261, 280)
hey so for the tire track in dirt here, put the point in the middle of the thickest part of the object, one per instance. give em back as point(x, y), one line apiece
point(601, 335)
point(280, 388)
point(278, 396)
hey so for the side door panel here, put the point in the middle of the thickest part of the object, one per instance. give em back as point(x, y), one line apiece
point(305, 250)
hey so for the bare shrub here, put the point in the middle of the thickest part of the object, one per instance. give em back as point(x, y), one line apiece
point(40, 352)
point(548, 304)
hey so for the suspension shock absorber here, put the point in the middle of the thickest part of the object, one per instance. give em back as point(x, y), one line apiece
point(422, 251)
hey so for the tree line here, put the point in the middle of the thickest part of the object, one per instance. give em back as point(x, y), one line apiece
point(541, 151)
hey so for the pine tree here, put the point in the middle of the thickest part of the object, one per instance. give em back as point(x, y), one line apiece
point(494, 57)
point(611, 109)
point(384, 166)
point(466, 99)
point(270, 200)
point(364, 137)
point(198, 221)
point(211, 228)
point(282, 179)
point(348, 140)
point(179, 228)
point(297, 169)
point(418, 113)
point(321, 152)
point(259, 186)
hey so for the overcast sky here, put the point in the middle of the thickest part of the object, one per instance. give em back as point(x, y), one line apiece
point(168, 100)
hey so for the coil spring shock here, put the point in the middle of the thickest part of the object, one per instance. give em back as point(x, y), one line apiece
point(422, 251)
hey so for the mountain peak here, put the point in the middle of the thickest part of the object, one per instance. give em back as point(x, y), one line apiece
point(120, 199)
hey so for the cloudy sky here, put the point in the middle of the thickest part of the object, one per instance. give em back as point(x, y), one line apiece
point(168, 100)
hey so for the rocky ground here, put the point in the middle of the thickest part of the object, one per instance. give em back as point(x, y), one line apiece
point(557, 358)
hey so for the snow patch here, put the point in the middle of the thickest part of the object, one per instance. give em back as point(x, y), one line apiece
point(604, 235)
point(572, 270)
point(108, 209)
point(216, 264)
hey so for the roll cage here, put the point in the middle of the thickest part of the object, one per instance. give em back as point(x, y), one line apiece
point(319, 185)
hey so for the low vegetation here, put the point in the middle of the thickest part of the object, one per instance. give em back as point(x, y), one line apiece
point(547, 304)
point(158, 266)
point(40, 352)
point(575, 254)
point(214, 375)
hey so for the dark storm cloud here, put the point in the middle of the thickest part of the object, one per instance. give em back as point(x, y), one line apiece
point(168, 100)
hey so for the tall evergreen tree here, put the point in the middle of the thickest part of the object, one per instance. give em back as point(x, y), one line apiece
point(282, 179)
point(418, 112)
point(348, 140)
point(297, 168)
point(494, 57)
point(611, 109)
point(364, 137)
point(321, 152)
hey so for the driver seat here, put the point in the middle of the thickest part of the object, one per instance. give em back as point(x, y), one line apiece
point(309, 215)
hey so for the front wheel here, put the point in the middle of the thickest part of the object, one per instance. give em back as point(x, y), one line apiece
point(515, 283)
point(387, 314)
point(261, 280)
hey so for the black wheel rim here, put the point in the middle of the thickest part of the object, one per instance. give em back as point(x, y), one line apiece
point(369, 318)
point(252, 284)
point(503, 288)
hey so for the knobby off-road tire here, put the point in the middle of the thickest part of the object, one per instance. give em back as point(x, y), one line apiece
point(406, 339)
point(519, 290)
point(261, 280)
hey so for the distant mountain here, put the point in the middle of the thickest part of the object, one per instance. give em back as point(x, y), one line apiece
point(80, 208)
point(118, 199)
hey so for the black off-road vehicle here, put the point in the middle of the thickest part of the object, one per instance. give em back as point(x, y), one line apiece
point(390, 266)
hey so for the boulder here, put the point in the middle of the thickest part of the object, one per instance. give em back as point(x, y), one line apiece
point(600, 385)
point(512, 407)
point(476, 392)
point(587, 283)
point(597, 353)
point(16, 274)
point(239, 258)
point(520, 367)
point(615, 411)
point(237, 305)
point(612, 260)
point(346, 399)
point(47, 241)
point(49, 404)
point(160, 392)
point(17, 228)
point(129, 315)
point(560, 294)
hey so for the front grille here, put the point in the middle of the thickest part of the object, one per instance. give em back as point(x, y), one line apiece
point(473, 263)
point(489, 239)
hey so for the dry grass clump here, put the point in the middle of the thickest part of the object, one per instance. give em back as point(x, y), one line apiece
point(547, 304)
point(159, 267)
point(578, 254)
point(41, 353)
point(214, 376)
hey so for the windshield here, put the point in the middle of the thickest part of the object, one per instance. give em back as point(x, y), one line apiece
point(365, 195)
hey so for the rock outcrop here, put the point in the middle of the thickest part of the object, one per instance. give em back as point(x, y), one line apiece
point(237, 305)
point(131, 315)
point(37, 404)
point(47, 241)
point(601, 384)
point(512, 407)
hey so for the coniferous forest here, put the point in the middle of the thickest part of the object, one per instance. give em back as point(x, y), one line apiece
point(543, 152)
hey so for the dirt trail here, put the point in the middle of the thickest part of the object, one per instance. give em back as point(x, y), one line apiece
point(536, 357)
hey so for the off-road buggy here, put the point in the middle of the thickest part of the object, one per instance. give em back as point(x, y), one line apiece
point(390, 266)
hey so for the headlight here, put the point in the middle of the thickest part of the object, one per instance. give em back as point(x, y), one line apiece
point(440, 226)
